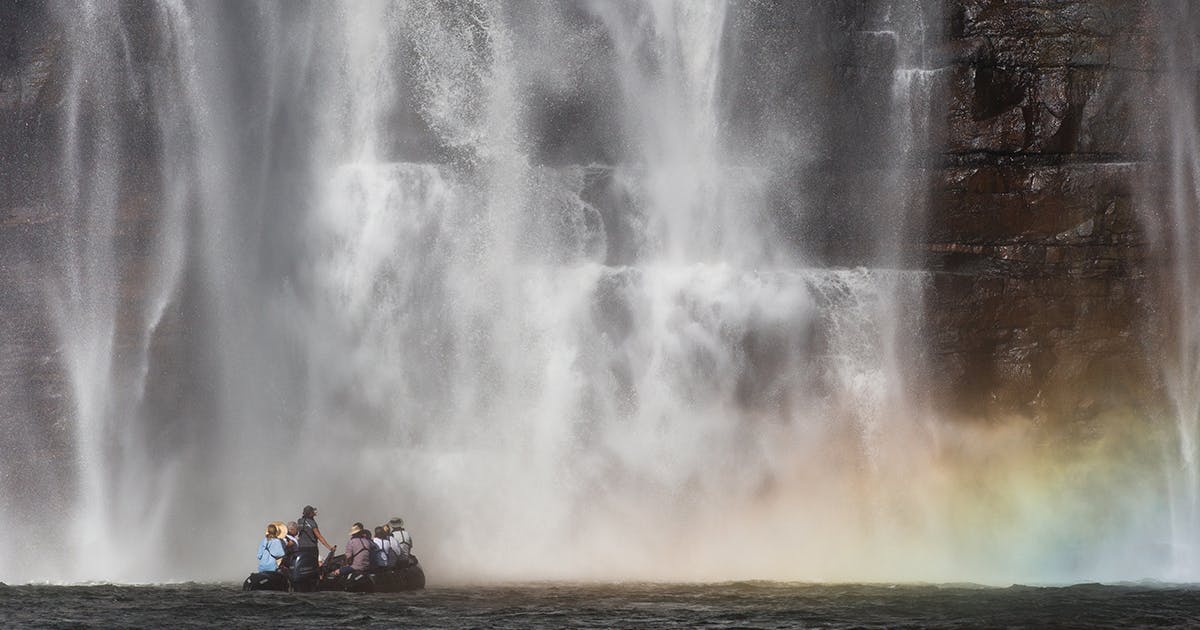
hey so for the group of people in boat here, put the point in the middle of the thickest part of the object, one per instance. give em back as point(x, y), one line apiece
point(294, 545)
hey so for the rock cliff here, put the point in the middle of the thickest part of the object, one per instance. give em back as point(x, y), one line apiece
point(1042, 301)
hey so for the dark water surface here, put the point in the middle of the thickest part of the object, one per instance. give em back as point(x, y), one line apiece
point(740, 605)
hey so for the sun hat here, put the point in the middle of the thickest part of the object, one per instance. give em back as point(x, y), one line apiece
point(356, 528)
point(396, 522)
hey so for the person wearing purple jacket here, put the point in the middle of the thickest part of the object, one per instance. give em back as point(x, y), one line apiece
point(358, 552)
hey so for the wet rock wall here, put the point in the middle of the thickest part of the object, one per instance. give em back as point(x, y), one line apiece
point(1042, 304)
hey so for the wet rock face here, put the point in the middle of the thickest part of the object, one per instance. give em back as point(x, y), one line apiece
point(33, 380)
point(1040, 303)
point(1043, 77)
point(29, 374)
point(24, 60)
point(26, 64)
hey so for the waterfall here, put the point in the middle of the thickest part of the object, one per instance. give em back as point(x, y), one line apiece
point(1171, 197)
point(583, 289)
point(107, 304)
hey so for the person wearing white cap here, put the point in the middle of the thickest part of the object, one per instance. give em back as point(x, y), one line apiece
point(404, 541)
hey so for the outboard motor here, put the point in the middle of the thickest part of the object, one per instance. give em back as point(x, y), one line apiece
point(305, 572)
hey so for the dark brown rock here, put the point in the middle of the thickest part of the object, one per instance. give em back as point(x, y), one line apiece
point(1042, 298)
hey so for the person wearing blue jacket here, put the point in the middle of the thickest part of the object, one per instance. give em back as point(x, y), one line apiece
point(270, 550)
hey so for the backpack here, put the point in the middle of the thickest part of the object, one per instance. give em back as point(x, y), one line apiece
point(372, 549)
point(390, 552)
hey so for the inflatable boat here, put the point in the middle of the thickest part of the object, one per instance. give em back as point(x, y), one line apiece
point(393, 580)
point(411, 578)
point(272, 581)
point(306, 576)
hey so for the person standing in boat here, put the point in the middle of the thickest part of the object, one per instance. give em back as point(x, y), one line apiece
point(307, 537)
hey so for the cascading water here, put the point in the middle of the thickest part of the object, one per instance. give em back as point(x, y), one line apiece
point(585, 289)
point(1173, 133)
point(105, 336)
point(381, 274)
